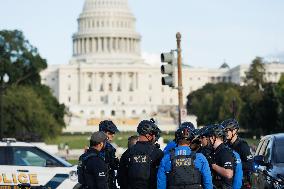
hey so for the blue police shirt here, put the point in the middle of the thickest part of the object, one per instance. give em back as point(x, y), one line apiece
point(200, 163)
point(238, 172)
point(171, 145)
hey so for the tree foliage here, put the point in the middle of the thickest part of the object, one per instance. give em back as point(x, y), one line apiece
point(260, 105)
point(214, 102)
point(26, 115)
point(30, 110)
point(255, 75)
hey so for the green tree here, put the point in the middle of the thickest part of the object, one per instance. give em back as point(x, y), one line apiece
point(213, 102)
point(31, 112)
point(26, 116)
point(19, 59)
point(255, 75)
point(279, 90)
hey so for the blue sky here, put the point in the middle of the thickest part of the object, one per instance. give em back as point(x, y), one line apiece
point(213, 31)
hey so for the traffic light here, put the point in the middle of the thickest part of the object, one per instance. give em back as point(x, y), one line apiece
point(168, 68)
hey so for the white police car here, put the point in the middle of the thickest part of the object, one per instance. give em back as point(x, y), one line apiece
point(23, 164)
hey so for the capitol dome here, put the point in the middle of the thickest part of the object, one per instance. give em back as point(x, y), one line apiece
point(106, 33)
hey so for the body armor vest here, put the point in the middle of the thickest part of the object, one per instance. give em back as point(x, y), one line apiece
point(184, 175)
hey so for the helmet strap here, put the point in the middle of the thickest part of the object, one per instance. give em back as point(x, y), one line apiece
point(149, 139)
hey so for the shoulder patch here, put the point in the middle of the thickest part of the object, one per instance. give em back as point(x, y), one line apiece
point(102, 174)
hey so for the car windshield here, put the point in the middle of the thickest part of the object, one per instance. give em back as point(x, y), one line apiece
point(279, 151)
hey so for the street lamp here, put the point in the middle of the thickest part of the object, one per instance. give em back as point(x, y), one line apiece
point(4, 80)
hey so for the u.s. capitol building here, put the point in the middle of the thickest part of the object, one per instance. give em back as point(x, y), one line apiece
point(107, 78)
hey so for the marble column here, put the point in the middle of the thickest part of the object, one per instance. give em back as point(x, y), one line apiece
point(105, 45)
point(87, 45)
point(99, 44)
point(111, 44)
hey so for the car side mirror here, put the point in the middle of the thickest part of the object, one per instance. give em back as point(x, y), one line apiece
point(49, 163)
point(259, 160)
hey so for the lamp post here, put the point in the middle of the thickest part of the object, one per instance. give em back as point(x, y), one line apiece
point(4, 80)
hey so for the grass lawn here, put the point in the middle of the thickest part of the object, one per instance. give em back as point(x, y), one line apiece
point(80, 141)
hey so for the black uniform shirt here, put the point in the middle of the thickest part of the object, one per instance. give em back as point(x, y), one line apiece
point(224, 158)
point(242, 148)
point(156, 156)
point(96, 171)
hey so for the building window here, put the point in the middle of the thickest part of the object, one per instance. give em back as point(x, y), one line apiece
point(102, 87)
point(150, 87)
point(150, 99)
point(123, 112)
point(90, 99)
point(81, 112)
point(90, 87)
point(92, 112)
point(102, 99)
point(144, 112)
point(133, 112)
point(112, 113)
point(69, 87)
point(118, 99)
point(110, 87)
point(131, 87)
point(118, 87)
point(130, 98)
point(69, 99)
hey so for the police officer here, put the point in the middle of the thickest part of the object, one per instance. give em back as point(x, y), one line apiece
point(172, 144)
point(241, 147)
point(222, 160)
point(132, 140)
point(139, 164)
point(183, 169)
point(92, 169)
point(203, 135)
point(110, 129)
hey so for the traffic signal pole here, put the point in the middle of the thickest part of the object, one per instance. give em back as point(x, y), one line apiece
point(180, 88)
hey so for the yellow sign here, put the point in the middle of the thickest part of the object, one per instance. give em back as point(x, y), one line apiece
point(21, 178)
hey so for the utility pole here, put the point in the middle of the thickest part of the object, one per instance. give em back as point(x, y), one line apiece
point(168, 72)
point(180, 88)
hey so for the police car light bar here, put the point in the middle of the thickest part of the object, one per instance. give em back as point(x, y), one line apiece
point(9, 140)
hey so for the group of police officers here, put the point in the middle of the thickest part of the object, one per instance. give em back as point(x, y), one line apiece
point(211, 157)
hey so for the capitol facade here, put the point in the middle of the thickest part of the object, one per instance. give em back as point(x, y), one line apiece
point(107, 77)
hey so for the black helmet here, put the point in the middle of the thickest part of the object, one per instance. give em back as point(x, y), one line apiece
point(108, 125)
point(216, 130)
point(148, 127)
point(184, 133)
point(206, 130)
point(230, 124)
point(188, 125)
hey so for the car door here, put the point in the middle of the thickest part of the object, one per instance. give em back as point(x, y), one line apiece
point(264, 171)
point(31, 165)
point(257, 177)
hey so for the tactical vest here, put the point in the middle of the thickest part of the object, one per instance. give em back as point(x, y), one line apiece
point(139, 167)
point(81, 169)
point(184, 175)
